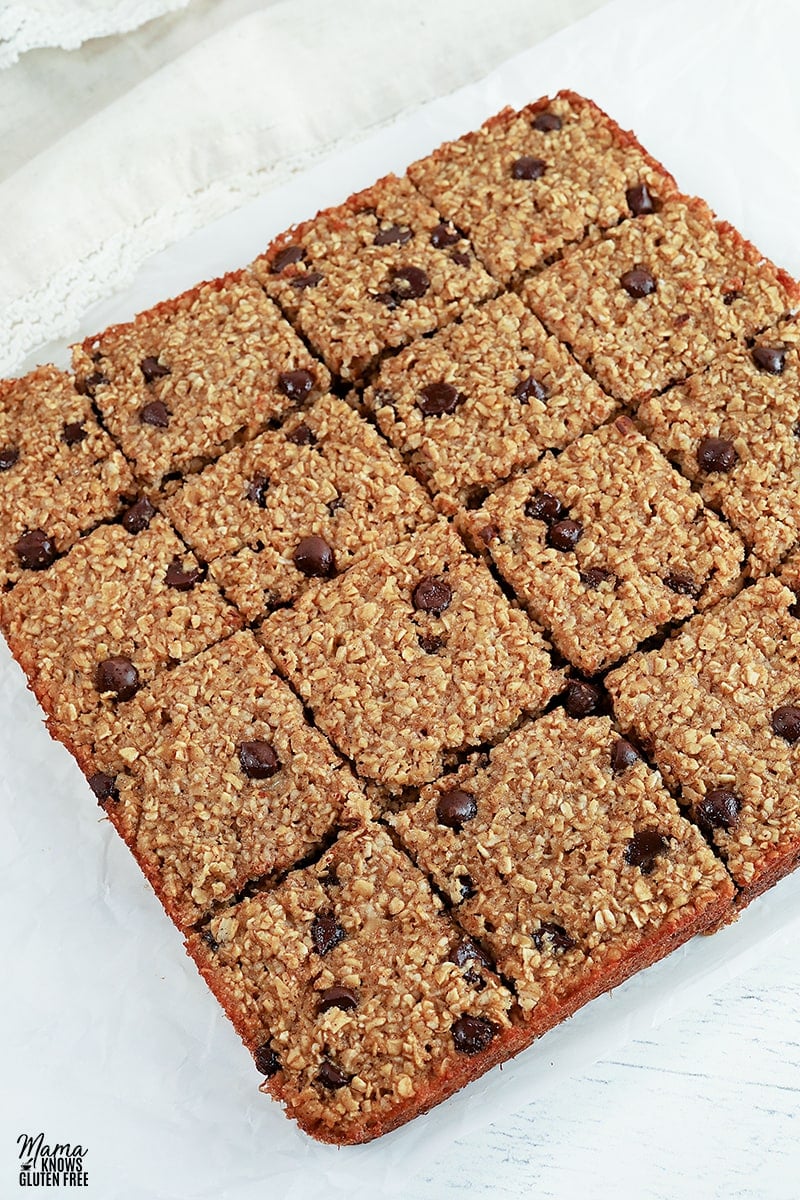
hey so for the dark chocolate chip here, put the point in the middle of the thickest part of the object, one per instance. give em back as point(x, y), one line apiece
point(152, 369)
point(429, 643)
point(179, 578)
point(640, 202)
point(488, 534)
point(331, 1076)
point(638, 283)
point(719, 809)
point(393, 235)
point(326, 932)
point(729, 297)
point(266, 1060)
point(156, 413)
point(296, 384)
point(623, 755)
point(74, 433)
point(117, 675)
point(469, 951)
point(35, 550)
point(527, 167)
point(683, 583)
point(104, 786)
point(716, 454)
point(555, 937)
point(594, 576)
point(455, 807)
point(582, 698)
point(644, 848)
point(546, 122)
point(257, 489)
point(309, 279)
point(8, 456)
point(436, 399)
point(286, 258)
point(771, 359)
point(258, 760)
point(408, 283)
point(444, 235)
point(302, 435)
point(530, 389)
point(338, 997)
point(314, 557)
point(461, 258)
point(90, 383)
point(472, 1034)
point(544, 506)
point(385, 298)
point(467, 885)
point(210, 940)
point(564, 535)
point(786, 722)
point(138, 516)
point(432, 594)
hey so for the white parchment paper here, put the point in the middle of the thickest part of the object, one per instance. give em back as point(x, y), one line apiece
point(110, 1038)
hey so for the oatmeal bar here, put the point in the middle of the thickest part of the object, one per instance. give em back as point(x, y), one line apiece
point(483, 399)
point(719, 707)
point(188, 378)
point(221, 780)
point(413, 655)
point(60, 474)
point(606, 544)
point(297, 504)
point(371, 275)
point(117, 609)
point(527, 183)
point(566, 858)
point(362, 1004)
point(657, 298)
point(734, 431)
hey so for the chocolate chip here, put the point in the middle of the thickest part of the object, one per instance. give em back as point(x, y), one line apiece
point(488, 534)
point(544, 506)
point(179, 578)
point(716, 454)
point(385, 298)
point(582, 698)
point(90, 383)
point(444, 235)
point(436, 399)
point(314, 557)
point(461, 258)
point(623, 755)
point(432, 594)
point(530, 389)
point(138, 516)
point(117, 675)
point(74, 433)
point(472, 1034)
point(286, 258)
point(528, 168)
point(468, 889)
point(469, 951)
point(8, 456)
point(152, 369)
point(429, 643)
point(156, 413)
point(408, 283)
point(644, 848)
point(302, 435)
point(638, 283)
point(296, 384)
point(639, 200)
point(35, 550)
point(331, 1076)
point(338, 997)
point(257, 489)
point(771, 359)
point(546, 122)
point(786, 722)
point(309, 279)
point(594, 576)
point(729, 297)
point(393, 235)
point(683, 584)
point(266, 1060)
point(719, 809)
point(554, 936)
point(104, 786)
point(564, 535)
point(258, 760)
point(326, 932)
point(455, 807)
point(210, 940)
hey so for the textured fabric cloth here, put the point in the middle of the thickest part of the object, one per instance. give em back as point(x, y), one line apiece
point(29, 24)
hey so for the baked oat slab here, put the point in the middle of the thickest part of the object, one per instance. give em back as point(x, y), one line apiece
point(718, 706)
point(606, 544)
point(482, 399)
point(362, 1003)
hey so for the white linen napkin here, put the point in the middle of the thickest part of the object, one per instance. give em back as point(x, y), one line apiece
point(31, 24)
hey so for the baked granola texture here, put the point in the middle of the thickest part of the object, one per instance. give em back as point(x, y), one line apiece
point(422, 604)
